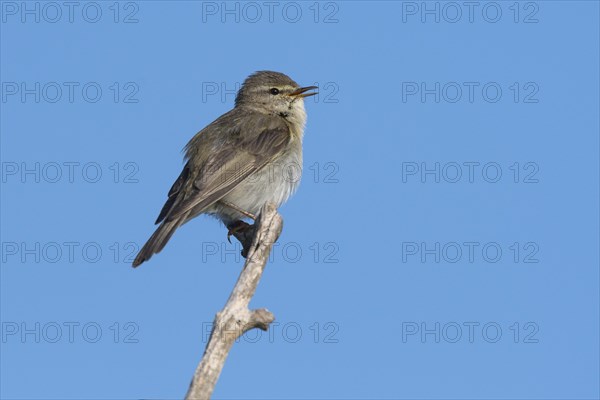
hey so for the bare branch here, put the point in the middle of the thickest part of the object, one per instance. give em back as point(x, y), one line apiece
point(236, 318)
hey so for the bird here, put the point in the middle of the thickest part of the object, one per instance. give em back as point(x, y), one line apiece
point(247, 157)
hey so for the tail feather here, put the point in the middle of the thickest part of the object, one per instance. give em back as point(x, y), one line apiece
point(157, 241)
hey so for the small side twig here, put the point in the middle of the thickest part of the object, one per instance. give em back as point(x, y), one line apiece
point(236, 318)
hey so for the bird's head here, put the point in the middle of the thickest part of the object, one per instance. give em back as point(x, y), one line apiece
point(273, 93)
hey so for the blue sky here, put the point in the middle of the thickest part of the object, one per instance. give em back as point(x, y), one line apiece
point(443, 242)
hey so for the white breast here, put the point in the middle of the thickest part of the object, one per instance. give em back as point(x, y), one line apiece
point(277, 181)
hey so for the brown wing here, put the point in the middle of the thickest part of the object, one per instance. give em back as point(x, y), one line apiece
point(224, 170)
point(174, 193)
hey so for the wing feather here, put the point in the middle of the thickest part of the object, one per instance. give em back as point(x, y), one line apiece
point(226, 168)
point(174, 193)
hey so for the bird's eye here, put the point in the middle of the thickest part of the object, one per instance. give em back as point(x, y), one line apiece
point(274, 91)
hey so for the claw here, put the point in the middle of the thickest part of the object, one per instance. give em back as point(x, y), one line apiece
point(236, 227)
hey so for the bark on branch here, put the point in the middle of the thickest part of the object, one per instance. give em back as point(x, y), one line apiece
point(236, 318)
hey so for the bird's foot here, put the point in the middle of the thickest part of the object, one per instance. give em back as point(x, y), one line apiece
point(243, 232)
point(236, 228)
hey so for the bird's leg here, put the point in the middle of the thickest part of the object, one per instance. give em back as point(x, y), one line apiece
point(236, 228)
point(243, 232)
point(236, 208)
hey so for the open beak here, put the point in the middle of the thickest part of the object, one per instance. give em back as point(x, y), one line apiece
point(301, 92)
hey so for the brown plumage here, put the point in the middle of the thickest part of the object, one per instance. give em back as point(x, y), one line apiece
point(239, 159)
